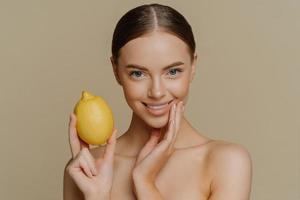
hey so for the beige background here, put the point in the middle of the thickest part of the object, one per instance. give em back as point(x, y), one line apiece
point(246, 90)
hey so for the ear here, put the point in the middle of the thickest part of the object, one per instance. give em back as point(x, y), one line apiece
point(194, 61)
point(115, 69)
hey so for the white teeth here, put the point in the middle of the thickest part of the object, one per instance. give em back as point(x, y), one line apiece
point(157, 107)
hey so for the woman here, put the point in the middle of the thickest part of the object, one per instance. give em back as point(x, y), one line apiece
point(160, 156)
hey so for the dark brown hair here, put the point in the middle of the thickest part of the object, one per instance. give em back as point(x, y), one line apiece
point(147, 18)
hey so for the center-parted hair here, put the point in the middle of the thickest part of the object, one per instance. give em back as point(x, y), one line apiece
point(147, 18)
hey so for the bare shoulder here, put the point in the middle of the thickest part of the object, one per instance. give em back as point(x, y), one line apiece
point(223, 151)
point(230, 169)
point(222, 154)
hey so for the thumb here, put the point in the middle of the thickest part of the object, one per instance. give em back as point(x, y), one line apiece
point(110, 146)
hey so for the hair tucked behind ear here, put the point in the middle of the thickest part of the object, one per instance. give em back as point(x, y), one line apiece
point(148, 18)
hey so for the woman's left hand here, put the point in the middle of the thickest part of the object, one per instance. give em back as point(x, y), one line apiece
point(155, 153)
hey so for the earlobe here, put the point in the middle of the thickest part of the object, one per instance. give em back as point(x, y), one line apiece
point(115, 70)
point(193, 71)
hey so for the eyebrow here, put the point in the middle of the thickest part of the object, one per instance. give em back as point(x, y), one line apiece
point(177, 63)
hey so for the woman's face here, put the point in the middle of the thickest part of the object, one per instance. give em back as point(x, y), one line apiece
point(155, 71)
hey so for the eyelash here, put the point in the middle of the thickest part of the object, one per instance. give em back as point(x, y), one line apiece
point(175, 69)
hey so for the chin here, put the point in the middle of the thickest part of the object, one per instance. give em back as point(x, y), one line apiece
point(158, 122)
point(150, 120)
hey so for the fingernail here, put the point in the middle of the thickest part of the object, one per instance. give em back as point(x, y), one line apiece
point(181, 106)
point(172, 122)
point(95, 171)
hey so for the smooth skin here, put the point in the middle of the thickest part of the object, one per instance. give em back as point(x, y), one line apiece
point(158, 157)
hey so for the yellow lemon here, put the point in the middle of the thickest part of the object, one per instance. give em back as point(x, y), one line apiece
point(94, 119)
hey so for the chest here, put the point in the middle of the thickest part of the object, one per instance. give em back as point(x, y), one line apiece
point(183, 177)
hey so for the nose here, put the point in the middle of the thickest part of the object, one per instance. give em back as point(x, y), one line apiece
point(157, 89)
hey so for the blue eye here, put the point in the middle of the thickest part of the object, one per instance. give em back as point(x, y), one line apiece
point(174, 71)
point(136, 73)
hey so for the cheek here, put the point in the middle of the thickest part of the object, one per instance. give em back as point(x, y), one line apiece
point(134, 91)
point(180, 89)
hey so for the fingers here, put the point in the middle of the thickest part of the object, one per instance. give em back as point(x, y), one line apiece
point(85, 167)
point(75, 142)
point(73, 137)
point(166, 146)
point(85, 162)
point(154, 138)
point(89, 160)
point(174, 123)
point(171, 125)
point(110, 147)
point(150, 145)
point(178, 116)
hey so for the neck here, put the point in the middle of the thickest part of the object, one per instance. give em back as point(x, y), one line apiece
point(139, 132)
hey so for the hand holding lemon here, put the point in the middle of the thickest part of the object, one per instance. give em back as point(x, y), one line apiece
point(92, 175)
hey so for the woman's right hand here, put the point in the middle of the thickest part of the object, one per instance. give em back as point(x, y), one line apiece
point(93, 176)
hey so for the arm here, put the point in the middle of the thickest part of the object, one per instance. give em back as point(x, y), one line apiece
point(231, 169)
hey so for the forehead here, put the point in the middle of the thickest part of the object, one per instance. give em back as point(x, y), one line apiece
point(157, 49)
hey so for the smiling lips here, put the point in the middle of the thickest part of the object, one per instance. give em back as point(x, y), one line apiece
point(158, 109)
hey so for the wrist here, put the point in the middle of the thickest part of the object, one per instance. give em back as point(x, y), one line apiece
point(98, 197)
point(140, 179)
point(146, 190)
point(142, 183)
